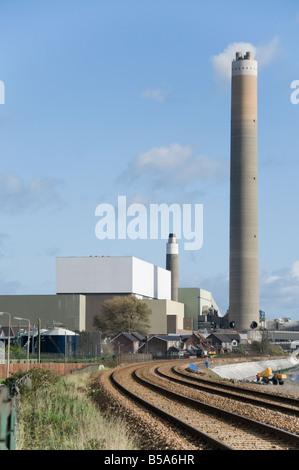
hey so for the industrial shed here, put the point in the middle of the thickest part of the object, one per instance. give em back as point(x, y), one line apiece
point(52, 341)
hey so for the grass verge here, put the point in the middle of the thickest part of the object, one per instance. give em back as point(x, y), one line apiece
point(58, 414)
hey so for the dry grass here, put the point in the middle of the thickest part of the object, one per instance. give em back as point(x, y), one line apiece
point(62, 416)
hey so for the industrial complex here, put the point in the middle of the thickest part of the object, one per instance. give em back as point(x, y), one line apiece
point(84, 283)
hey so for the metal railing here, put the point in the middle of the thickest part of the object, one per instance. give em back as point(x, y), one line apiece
point(9, 403)
point(8, 419)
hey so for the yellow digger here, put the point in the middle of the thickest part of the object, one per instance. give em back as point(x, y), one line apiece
point(267, 376)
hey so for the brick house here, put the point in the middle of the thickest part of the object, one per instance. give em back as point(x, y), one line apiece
point(224, 342)
point(198, 344)
point(163, 346)
point(126, 343)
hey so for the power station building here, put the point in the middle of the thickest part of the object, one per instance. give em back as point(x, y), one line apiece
point(244, 268)
point(101, 277)
point(84, 283)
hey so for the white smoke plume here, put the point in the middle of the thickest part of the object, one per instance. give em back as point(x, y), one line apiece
point(264, 54)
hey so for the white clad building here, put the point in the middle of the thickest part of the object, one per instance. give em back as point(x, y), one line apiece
point(112, 275)
point(98, 278)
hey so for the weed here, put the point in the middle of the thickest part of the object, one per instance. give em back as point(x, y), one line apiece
point(59, 415)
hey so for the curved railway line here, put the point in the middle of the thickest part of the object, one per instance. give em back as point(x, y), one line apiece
point(272, 401)
point(170, 408)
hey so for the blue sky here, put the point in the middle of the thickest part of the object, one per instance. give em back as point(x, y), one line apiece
point(106, 98)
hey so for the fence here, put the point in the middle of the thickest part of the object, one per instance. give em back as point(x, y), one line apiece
point(132, 358)
point(9, 402)
point(8, 419)
point(58, 368)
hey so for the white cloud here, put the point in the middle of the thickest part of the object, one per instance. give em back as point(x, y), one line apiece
point(201, 167)
point(162, 158)
point(16, 196)
point(279, 292)
point(174, 165)
point(272, 278)
point(295, 270)
point(264, 54)
point(157, 94)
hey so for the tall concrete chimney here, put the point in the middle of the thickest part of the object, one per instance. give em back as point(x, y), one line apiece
point(244, 269)
point(172, 264)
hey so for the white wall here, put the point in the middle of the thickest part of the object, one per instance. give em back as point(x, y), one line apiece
point(162, 284)
point(143, 278)
point(105, 275)
point(91, 275)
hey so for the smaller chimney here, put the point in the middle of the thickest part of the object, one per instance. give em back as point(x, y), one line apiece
point(172, 265)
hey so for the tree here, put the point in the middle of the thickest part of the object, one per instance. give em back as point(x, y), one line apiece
point(123, 314)
point(264, 346)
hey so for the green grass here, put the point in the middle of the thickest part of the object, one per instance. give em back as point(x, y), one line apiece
point(60, 415)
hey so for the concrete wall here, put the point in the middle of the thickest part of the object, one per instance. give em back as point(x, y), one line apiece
point(189, 296)
point(248, 370)
point(160, 310)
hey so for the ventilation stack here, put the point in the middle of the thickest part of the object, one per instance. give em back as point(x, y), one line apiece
point(172, 265)
point(244, 269)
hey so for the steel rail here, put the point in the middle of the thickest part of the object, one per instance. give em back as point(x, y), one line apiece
point(278, 398)
point(215, 443)
point(236, 393)
point(266, 428)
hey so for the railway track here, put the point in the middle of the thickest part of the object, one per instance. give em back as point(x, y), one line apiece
point(257, 398)
point(202, 424)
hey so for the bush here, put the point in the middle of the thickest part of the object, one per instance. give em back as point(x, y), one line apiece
point(16, 352)
point(266, 347)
